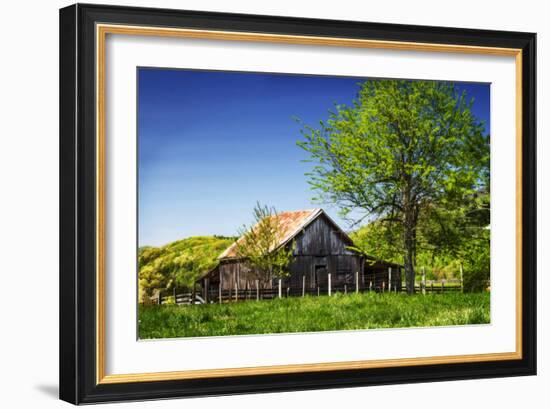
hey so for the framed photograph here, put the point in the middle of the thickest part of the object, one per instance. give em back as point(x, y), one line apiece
point(257, 203)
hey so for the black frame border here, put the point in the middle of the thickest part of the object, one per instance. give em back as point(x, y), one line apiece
point(78, 197)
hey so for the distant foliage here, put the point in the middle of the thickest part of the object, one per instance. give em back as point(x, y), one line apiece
point(477, 260)
point(179, 263)
point(448, 237)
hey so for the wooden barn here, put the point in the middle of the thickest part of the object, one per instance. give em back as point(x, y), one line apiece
point(321, 248)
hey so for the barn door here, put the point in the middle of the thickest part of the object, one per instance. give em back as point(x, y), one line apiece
point(321, 276)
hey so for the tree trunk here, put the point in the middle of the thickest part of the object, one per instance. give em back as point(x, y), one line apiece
point(410, 244)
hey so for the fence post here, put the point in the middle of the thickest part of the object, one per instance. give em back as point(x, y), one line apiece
point(423, 280)
point(160, 297)
point(257, 290)
point(318, 291)
point(356, 281)
point(461, 279)
point(329, 285)
point(383, 286)
point(220, 292)
point(389, 279)
point(370, 285)
point(236, 291)
point(287, 292)
point(303, 286)
point(279, 288)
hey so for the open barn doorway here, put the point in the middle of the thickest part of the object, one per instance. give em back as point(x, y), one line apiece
point(321, 276)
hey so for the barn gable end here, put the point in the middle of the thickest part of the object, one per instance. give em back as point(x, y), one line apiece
point(322, 237)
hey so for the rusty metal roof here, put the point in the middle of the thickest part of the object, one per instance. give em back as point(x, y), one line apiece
point(291, 224)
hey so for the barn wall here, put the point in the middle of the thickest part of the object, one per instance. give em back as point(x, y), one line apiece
point(237, 273)
point(321, 244)
point(300, 266)
point(379, 276)
point(341, 267)
point(320, 238)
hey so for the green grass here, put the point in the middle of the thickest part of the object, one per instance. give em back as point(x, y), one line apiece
point(295, 314)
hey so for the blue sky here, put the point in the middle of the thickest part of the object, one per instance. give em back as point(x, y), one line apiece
point(212, 143)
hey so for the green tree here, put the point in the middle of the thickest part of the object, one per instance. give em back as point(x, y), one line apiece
point(259, 245)
point(476, 259)
point(380, 240)
point(149, 280)
point(400, 147)
point(458, 234)
point(475, 252)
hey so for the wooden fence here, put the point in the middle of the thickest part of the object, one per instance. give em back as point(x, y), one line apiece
point(280, 291)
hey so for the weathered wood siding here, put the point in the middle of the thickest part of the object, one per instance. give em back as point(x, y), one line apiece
point(321, 238)
point(378, 275)
point(316, 269)
point(237, 274)
point(321, 249)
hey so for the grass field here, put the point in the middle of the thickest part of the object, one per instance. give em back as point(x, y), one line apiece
point(295, 314)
